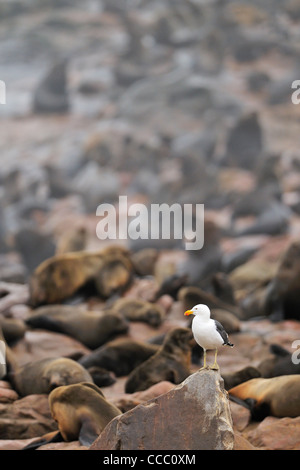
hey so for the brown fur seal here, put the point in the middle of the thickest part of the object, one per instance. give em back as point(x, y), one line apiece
point(101, 377)
point(91, 328)
point(277, 396)
point(195, 295)
point(81, 411)
point(236, 378)
point(223, 288)
point(74, 240)
point(115, 274)
point(144, 261)
point(140, 310)
point(279, 363)
point(171, 362)
point(120, 356)
point(43, 376)
point(13, 329)
point(51, 94)
point(61, 276)
point(171, 285)
point(282, 294)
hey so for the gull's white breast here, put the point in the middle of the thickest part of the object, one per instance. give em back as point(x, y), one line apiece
point(205, 333)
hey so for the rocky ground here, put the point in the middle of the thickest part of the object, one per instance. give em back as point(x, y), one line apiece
point(176, 102)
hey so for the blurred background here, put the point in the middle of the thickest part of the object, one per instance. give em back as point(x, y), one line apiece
point(163, 101)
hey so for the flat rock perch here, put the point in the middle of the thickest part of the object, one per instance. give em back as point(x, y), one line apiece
point(194, 415)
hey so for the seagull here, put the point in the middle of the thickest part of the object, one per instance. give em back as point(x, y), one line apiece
point(208, 333)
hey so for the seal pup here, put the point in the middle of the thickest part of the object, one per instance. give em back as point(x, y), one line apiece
point(191, 295)
point(223, 288)
point(40, 377)
point(144, 261)
point(280, 363)
point(120, 356)
point(13, 329)
point(101, 377)
point(282, 299)
point(276, 396)
point(60, 277)
point(74, 240)
point(171, 362)
point(91, 328)
point(116, 273)
point(140, 310)
point(81, 411)
point(51, 95)
point(171, 285)
point(236, 378)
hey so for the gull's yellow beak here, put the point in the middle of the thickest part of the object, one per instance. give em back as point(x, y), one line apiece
point(188, 312)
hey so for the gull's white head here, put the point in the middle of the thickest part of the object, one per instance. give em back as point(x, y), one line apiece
point(201, 310)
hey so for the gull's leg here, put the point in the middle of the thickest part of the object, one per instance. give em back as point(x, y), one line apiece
point(204, 360)
point(215, 364)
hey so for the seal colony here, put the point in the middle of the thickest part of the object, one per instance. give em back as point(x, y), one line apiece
point(107, 328)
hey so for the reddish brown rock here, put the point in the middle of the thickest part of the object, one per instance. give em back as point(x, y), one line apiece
point(74, 445)
point(154, 391)
point(276, 434)
point(240, 416)
point(41, 344)
point(144, 289)
point(26, 418)
point(240, 443)
point(15, 444)
point(127, 401)
point(7, 395)
point(202, 395)
point(12, 294)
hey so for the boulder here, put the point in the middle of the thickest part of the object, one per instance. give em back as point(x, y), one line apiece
point(12, 294)
point(74, 445)
point(26, 418)
point(41, 344)
point(7, 395)
point(241, 416)
point(15, 444)
point(276, 434)
point(127, 401)
point(240, 443)
point(201, 396)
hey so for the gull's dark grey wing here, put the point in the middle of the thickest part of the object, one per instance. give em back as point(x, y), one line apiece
point(222, 333)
